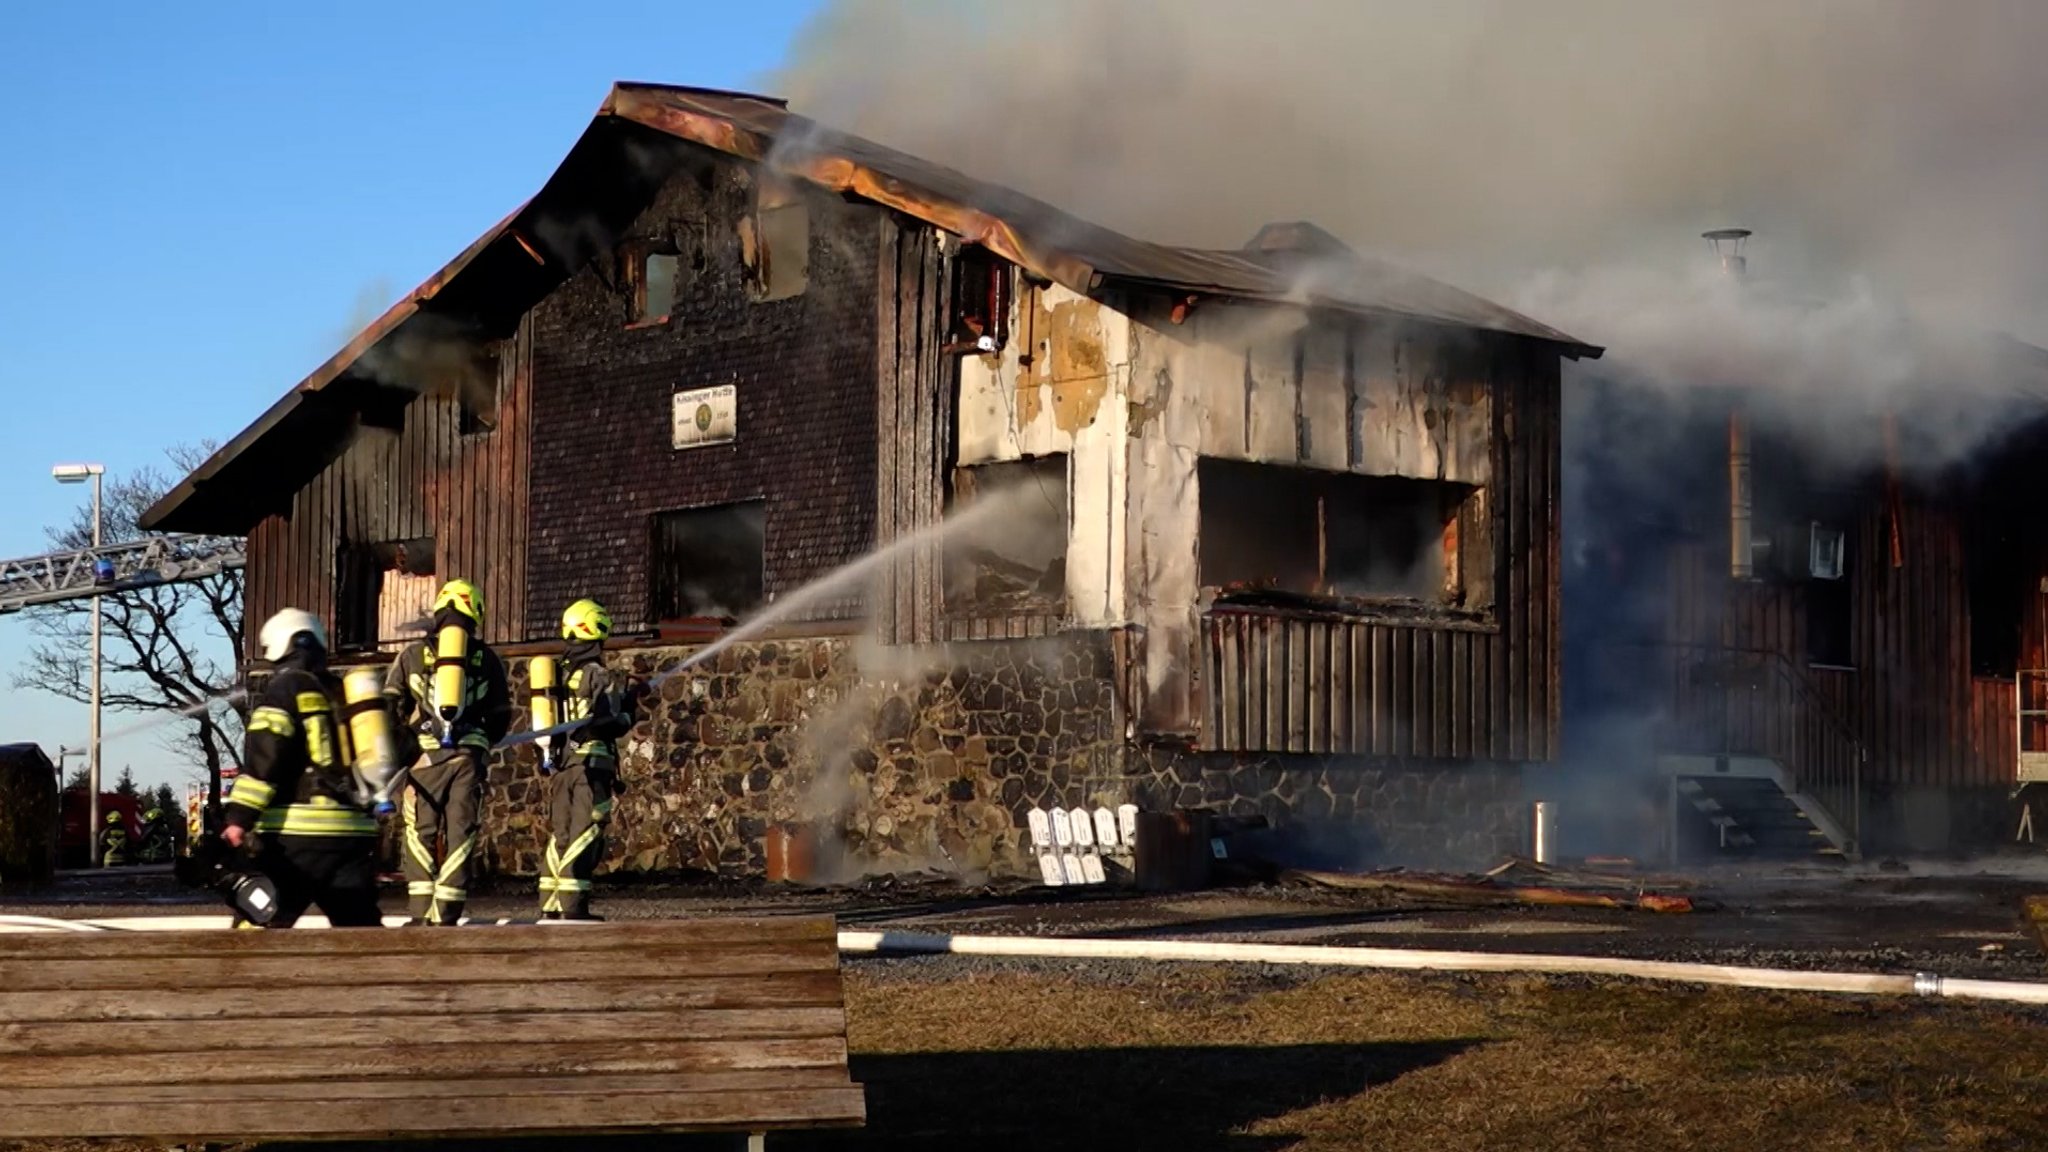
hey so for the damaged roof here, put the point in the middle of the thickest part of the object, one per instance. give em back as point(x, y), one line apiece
point(516, 263)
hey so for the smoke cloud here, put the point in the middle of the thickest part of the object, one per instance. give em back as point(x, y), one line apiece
point(1561, 157)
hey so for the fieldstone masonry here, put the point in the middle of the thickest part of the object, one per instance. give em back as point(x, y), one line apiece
point(1363, 812)
point(911, 758)
point(908, 759)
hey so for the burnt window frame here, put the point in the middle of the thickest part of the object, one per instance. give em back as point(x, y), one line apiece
point(769, 198)
point(961, 489)
point(634, 259)
point(1471, 588)
point(657, 614)
point(983, 282)
point(356, 606)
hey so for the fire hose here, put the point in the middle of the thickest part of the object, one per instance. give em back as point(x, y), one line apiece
point(1413, 960)
point(1329, 956)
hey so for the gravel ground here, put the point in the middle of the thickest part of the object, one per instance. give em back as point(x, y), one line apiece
point(1956, 920)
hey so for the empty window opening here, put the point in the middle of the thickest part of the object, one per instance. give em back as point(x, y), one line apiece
point(708, 563)
point(1268, 529)
point(979, 319)
point(1018, 563)
point(382, 593)
point(1830, 616)
point(775, 243)
point(1998, 591)
point(653, 278)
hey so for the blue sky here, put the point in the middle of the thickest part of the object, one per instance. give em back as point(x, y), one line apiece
point(198, 203)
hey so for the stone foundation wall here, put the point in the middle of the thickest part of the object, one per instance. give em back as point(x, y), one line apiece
point(1345, 811)
point(931, 759)
point(914, 758)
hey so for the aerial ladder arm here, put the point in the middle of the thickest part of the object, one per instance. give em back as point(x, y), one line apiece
point(146, 562)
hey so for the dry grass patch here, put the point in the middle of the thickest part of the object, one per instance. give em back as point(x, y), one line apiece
point(1194, 1057)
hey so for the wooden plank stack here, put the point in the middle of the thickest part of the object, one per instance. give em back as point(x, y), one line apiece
point(726, 1025)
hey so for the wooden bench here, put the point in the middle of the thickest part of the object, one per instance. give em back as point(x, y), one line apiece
point(390, 1034)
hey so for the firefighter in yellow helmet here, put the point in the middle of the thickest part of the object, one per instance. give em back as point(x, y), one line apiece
point(582, 763)
point(294, 803)
point(114, 841)
point(451, 695)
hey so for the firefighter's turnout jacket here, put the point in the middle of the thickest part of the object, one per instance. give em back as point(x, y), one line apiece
point(486, 706)
point(295, 775)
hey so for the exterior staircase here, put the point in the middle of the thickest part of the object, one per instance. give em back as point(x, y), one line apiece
point(1760, 764)
point(1743, 808)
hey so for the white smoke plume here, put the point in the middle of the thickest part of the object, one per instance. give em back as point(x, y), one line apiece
point(1563, 157)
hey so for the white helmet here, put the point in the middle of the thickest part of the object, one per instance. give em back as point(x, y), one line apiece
point(275, 640)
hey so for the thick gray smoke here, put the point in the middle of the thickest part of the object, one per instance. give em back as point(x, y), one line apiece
point(1561, 156)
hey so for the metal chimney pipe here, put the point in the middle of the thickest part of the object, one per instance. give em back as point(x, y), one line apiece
point(1727, 244)
point(1741, 543)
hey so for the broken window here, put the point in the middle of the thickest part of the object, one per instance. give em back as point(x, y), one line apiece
point(1269, 529)
point(1830, 617)
point(1997, 587)
point(775, 243)
point(979, 319)
point(468, 422)
point(652, 272)
point(708, 563)
point(1020, 565)
point(382, 593)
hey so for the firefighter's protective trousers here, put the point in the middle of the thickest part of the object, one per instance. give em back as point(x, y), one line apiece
point(336, 872)
point(579, 806)
point(439, 837)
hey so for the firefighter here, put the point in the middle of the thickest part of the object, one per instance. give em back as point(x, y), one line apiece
point(114, 841)
point(295, 796)
point(452, 696)
point(583, 763)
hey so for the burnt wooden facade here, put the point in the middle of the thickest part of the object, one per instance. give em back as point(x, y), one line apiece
point(1311, 681)
point(1889, 693)
point(437, 477)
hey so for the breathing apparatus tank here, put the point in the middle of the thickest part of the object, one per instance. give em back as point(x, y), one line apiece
point(451, 671)
point(373, 743)
point(543, 677)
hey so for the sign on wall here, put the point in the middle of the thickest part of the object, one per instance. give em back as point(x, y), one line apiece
point(705, 416)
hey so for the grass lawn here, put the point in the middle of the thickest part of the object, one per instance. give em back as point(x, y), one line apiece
point(1209, 1057)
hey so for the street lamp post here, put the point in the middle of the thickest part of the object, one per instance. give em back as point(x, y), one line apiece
point(79, 474)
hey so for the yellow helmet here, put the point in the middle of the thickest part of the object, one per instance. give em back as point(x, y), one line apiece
point(462, 596)
point(586, 620)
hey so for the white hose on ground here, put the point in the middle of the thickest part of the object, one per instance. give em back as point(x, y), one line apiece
point(1408, 959)
point(49, 924)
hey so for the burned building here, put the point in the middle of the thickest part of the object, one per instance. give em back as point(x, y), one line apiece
point(1801, 621)
point(1277, 526)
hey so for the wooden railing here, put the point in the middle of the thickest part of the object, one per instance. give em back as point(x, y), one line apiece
point(1722, 701)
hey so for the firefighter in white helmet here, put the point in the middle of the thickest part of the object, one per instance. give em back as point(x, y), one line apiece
point(583, 762)
point(295, 795)
point(452, 696)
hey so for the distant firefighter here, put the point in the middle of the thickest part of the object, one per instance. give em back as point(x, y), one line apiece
point(114, 841)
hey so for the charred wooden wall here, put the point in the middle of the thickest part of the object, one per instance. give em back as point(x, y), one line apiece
point(914, 427)
point(426, 479)
point(1323, 684)
point(804, 369)
point(1907, 692)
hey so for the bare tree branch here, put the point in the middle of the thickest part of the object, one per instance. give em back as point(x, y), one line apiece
point(165, 649)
